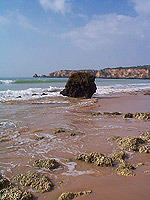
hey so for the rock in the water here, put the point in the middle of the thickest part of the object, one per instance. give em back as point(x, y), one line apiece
point(129, 143)
point(111, 113)
point(119, 156)
point(46, 163)
point(80, 84)
point(144, 149)
point(125, 169)
point(128, 115)
point(35, 180)
point(10, 192)
point(72, 195)
point(138, 115)
point(59, 130)
point(98, 159)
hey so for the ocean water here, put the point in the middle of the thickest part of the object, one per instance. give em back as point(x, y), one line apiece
point(33, 88)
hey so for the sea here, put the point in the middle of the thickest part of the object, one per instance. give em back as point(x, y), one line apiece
point(34, 88)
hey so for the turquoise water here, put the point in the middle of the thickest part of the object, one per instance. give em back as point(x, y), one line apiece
point(30, 88)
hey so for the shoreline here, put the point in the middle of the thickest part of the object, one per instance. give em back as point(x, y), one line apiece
point(91, 136)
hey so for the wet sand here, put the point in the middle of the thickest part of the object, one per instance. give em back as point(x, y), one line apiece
point(29, 119)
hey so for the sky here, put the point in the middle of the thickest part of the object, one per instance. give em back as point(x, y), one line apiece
point(42, 36)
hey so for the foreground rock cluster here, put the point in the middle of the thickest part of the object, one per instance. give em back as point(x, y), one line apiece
point(34, 180)
point(134, 143)
point(117, 160)
point(138, 115)
point(96, 158)
point(8, 191)
point(72, 195)
point(46, 163)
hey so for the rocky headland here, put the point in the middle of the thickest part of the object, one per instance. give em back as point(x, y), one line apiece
point(139, 72)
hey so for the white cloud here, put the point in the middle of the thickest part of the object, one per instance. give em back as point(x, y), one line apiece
point(62, 6)
point(142, 7)
point(15, 18)
point(113, 31)
point(25, 22)
point(4, 20)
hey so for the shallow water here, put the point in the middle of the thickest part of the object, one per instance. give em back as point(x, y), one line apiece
point(22, 121)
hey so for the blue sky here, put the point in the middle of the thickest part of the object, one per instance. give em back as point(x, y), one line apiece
point(43, 36)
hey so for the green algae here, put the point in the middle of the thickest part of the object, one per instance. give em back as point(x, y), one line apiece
point(125, 169)
point(72, 195)
point(138, 115)
point(8, 191)
point(35, 180)
point(96, 158)
point(46, 163)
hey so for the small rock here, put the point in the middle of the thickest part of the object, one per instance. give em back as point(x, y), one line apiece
point(72, 195)
point(129, 143)
point(128, 115)
point(59, 130)
point(111, 113)
point(10, 192)
point(38, 138)
point(139, 164)
point(35, 180)
point(125, 169)
point(113, 138)
point(46, 163)
point(97, 158)
point(147, 171)
point(144, 149)
point(119, 156)
point(72, 134)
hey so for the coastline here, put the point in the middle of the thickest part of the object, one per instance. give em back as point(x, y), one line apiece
point(42, 119)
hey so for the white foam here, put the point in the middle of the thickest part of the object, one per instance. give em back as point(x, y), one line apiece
point(6, 81)
point(31, 93)
point(119, 88)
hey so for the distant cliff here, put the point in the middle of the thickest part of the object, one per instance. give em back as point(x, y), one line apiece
point(139, 72)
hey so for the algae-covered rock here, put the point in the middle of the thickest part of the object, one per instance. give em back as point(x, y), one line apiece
point(35, 180)
point(10, 192)
point(138, 115)
point(125, 169)
point(129, 143)
point(111, 113)
point(3, 182)
point(139, 164)
point(46, 163)
point(119, 156)
point(146, 136)
point(144, 149)
point(147, 171)
point(95, 114)
point(38, 138)
point(97, 158)
point(80, 84)
point(14, 193)
point(128, 115)
point(59, 130)
point(142, 116)
point(72, 195)
point(113, 138)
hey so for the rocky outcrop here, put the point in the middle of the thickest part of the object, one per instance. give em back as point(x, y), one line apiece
point(139, 72)
point(80, 84)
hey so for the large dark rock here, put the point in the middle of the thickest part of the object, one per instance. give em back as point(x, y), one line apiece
point(80, 84)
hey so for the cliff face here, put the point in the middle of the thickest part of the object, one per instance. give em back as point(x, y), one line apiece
point(134, 73)
point(112, 73)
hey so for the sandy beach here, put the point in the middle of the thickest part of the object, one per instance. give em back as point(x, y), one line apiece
point(85, 132)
